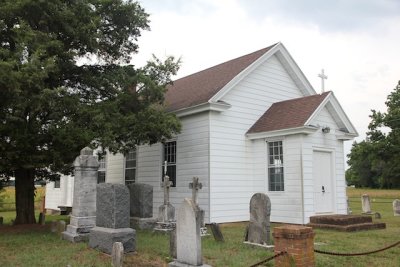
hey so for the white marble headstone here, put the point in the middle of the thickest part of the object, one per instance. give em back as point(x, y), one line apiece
point(396, 207)
point(366, 203)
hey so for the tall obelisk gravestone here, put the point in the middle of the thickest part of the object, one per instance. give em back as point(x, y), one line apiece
point(83, 216)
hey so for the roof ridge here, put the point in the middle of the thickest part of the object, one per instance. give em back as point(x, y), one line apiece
point(199, 87)
point(288, 114)
point(307, 96)
point(230, 61)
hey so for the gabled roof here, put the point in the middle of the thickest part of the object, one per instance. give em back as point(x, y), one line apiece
point(200, 87)
point(288, 114)
point(295, 116)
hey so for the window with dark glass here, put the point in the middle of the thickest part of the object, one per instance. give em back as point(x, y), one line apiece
point(169, 158)
point(57, 182)
point(101, 173)
point(275, 166)
point(130, 167)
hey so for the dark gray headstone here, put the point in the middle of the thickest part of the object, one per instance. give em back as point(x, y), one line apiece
point(217, 232)
point(141, 200)
point(42, 218)
point(103, 239)
point(259, 226)
point(112, 206)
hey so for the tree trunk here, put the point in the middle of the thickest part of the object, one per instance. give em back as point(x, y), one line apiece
point(25, 196)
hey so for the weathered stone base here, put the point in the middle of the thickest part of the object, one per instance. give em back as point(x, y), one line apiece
point(268, 247)
point(76, 234)
point(143, 223)
point(179, 264)
point(74, 237)
point(103, 239)
point(164, 227)
point(87, 222)
point(166, 213)
point(345, 223)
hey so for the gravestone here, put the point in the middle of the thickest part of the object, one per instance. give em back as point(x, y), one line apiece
point(217, 232)
point(112, 220)
point(83, 217)
point(172, 243)
point(166, 212)
point(259, 226)
point(1, 220)
point(195, 186)
point(117, 254)
point(61, 227)
point(141, 203)
point(396, 207)
point(53, 226)
point(366, 204)
point(349, 211)
point(42, 218)
point(188, 239)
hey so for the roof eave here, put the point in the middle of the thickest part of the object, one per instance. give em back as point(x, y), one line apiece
point(337, 108)
point(345, 136)
point(209, 106)
point(286, 59)
point(290, 131)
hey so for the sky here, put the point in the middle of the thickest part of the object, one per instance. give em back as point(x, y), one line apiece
point(356, 42)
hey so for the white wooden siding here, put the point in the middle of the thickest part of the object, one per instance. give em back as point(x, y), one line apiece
point(238, 165)
point(321, 141)
point(60, 196)
point(192, 160)
point(115, 168)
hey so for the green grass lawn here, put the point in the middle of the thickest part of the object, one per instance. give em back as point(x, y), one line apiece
point(7, 198)
point(39, 247)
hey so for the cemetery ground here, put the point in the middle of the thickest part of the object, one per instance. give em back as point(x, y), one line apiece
point(35, 245)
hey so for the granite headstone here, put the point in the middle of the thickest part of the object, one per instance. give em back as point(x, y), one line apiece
point(259, 226)
point(83, 217)
point(112, 221)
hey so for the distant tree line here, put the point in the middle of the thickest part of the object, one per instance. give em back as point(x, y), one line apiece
point(375, 161)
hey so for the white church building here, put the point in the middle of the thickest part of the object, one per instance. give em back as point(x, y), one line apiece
point(251, 124)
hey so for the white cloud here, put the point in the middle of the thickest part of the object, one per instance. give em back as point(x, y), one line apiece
point(355, 41)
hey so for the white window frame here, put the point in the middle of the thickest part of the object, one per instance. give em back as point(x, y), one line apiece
point(276, 163)
point(102, 168)
point(171, 158)
point(130, 181)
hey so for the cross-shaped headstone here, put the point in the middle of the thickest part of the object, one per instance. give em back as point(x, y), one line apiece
point(323, 77)
point(166, 184)
point(195, 186)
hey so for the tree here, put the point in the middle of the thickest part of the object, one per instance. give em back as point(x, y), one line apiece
point(377, 159)
point(361, 172)
point(66, 82)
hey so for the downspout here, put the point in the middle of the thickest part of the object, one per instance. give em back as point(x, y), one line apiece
point(302, 180)
point(209, 166)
